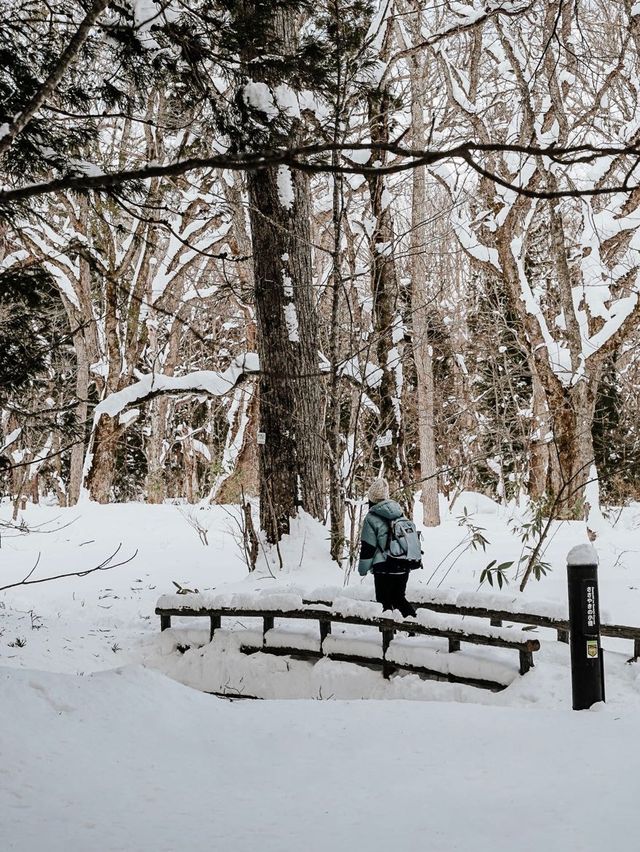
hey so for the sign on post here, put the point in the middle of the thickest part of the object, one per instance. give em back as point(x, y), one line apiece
point(384, 440)
point(587, 663)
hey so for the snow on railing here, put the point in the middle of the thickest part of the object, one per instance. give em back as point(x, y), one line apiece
point(273, 603)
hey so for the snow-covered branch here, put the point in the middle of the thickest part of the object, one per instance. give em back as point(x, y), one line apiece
point(200, 381)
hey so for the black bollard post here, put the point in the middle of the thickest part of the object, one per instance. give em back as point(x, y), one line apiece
point(587, 662)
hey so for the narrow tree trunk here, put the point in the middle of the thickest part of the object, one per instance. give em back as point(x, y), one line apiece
point(155, 450)
point(539, 443)
point(336, 489)
point(107, 430)
point(81, 413)
point(422, 350)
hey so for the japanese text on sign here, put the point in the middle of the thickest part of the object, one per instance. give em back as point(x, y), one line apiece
point(591, 606)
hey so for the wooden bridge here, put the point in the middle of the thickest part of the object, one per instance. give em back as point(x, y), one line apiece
point(475, 623)
point(390, 656)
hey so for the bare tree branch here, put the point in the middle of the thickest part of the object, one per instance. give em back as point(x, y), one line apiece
point(305, 159)
point(105, 565)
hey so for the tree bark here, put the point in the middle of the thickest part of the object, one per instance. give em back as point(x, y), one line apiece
point(107, 431)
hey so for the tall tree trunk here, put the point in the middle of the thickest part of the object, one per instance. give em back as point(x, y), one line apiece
point(244, 477)
point(107, 430)
point(538, 444)
point(334, 449)
point(422, 350)
point(336, 490)
point(81, 412)
point(385, 298)
point(573, 411)
point(291, 415)
point(290, 401)
point(155, 450)
point(85, 343)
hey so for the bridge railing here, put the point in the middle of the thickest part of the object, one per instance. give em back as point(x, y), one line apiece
point(269, 607)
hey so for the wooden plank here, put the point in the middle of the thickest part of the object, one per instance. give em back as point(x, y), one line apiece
point(433, 674)
point(296, 653)
point(186, 611)
point(377, 663)
point(483, 612)
point(618, 631)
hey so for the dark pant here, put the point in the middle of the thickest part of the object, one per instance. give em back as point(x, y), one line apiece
point(390, 592)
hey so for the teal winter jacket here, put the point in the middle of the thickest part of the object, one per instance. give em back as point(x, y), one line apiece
point(375, 535)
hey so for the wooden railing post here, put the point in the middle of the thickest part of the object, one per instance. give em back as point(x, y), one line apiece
point(325, 630)
point(165, 622)
point(526, 661)
point(387, 635)
point(267, 624)
point(215, 621)
point(454, 645)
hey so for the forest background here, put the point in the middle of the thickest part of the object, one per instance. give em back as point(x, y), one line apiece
point(276, 249)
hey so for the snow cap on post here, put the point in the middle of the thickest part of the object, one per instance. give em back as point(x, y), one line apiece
point(378, 491)
point(583, 554)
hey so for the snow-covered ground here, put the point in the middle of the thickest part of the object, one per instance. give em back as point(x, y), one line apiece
point(127, 761)
point(102, 751)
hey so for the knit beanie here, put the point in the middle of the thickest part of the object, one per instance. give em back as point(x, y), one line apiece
point(378, 491)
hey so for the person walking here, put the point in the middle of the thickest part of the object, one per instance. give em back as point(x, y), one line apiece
point(390, 576)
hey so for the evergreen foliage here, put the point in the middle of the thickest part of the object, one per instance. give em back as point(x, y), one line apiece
point(32, 330)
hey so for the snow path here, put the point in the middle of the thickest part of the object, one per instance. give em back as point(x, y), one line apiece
point(129, 760)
